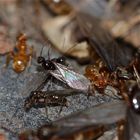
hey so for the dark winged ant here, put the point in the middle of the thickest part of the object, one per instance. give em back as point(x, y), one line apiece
point(43, 99)
point(39, 99)
point(58, 68)
point(93, 122)
point(48, 65)
point(89, 124)
point(39, 79)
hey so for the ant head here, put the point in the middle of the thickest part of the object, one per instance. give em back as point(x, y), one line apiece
point(61, 60)
point(29, 102)
point(40, 59)
point(21, 37)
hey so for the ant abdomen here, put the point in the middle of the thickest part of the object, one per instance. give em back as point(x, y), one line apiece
point(19, 65)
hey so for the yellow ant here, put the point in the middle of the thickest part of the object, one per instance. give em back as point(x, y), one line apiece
point(21, 55)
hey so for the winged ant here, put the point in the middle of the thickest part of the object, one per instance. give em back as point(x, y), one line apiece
point(91, 123)
point(95, 116)
point(58, 68)
point(49, 98)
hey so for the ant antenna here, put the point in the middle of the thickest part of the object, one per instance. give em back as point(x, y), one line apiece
point(49, 49)
point(41, 51)
point(69, 49)
point(63, 42)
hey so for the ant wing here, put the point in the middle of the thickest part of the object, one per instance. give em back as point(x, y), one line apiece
point(72, 78)
point(132, 130)
point(92, 12)
point(74, 133)
point(65, 93)
point(113, 54)
point(35, 82)
point(89, 123)
point(106, 9)
point(97, 8)
point(103, 114)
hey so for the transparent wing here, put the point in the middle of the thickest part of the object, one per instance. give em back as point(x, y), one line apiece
point(96, 8)
point(72, 78)
point(87, 133)
point(65, 93)
point(34, 82)
point(103, 114)
point(92, 12)
point(106, 9)
point(132, 131)
point(103, 43)
point(89, 123)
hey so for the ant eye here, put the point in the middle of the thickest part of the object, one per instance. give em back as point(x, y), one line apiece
point(40, 59)
point(61, 60)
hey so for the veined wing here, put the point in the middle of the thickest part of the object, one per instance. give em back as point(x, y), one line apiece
point(106, 9)
point(132, 131)
point(82, 133)
point(89, 17)
point(104, 44)
point(65, 93)
point(90, 123)
point(34, 81)
point(103, 114)
point(97, 8)
point(72, 78)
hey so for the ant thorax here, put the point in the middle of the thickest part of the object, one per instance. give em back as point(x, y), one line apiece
point(48, 64)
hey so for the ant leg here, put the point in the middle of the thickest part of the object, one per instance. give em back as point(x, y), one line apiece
point(8, 58)
point(17, 82)
point(30, 55)
point(51, 79)
point(50, 83)
point(32, 52)
point(8, 130)
point(90, 91)
point(41, 86)
point(28, 66)
point(136, 74)
point(120, 129)
point(46, 111)
point(61, 107)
